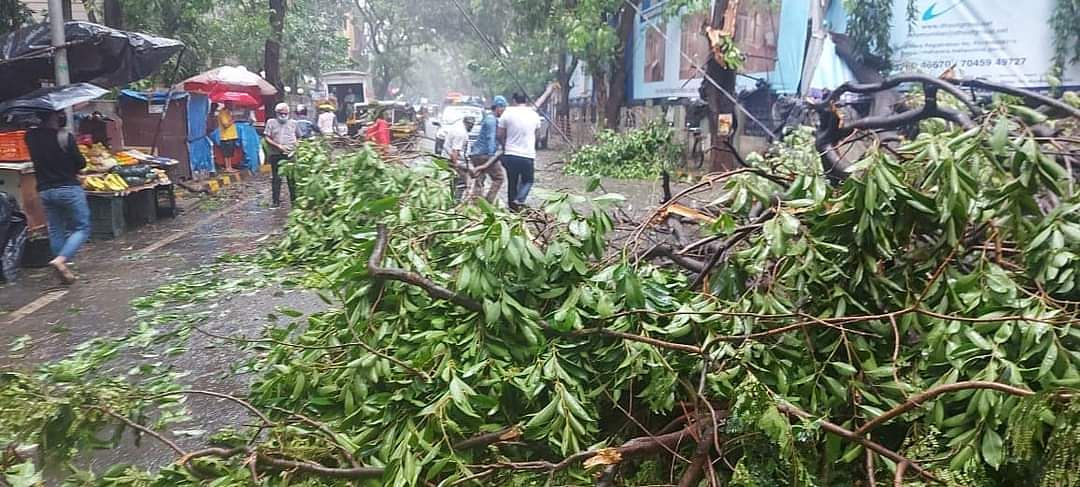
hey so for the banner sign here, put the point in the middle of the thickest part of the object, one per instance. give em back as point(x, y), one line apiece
point(1002, 41)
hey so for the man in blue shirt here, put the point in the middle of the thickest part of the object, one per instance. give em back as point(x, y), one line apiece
point(485, 155)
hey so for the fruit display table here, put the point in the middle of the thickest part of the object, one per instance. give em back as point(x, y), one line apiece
point(113, 213)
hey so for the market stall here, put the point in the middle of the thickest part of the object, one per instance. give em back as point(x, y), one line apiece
point(125, 187)
point(142, 114)
point(242, 93)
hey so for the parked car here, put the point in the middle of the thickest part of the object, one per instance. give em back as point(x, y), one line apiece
point(453, 114)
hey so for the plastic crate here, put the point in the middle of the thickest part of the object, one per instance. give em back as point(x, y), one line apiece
point(140, 208)
point(165, 201)
point(13, 146)
point(106, 217)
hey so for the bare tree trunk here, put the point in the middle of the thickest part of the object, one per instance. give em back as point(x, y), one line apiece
point(113, 12)
point(272, 54)
point(565, 74)
point(600, 88)
point(616, 93)
point(721, 157)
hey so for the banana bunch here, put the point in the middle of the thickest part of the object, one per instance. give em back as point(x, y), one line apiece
point(111, 182)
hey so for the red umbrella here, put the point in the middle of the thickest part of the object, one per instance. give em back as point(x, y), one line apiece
point(232, 78)
point(238, 98)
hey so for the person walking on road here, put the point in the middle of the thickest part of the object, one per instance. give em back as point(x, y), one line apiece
point(57, 162)
point(517, 129)
point(485, 155)
point(457, 145)
point(327, 120)
point(281, 136)
point(307, 128)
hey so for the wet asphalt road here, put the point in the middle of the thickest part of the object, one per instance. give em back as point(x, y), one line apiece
point(114, 272)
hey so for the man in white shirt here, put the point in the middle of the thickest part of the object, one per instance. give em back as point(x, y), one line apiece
point(326, 120)
point(457, 146)
point(517, 131)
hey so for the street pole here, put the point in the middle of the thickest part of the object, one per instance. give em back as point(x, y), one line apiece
point(60, 60)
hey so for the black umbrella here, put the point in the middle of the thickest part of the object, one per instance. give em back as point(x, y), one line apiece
point(52, 99)
point(96, 54)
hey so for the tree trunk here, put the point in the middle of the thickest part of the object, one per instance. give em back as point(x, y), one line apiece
point(565, 73)
point(272, 55)
point(113, 12)
point(721, 158)
point(600, 90)
point(616, 93)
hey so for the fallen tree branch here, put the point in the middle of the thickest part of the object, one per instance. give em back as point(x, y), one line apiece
point(700, 459)
point(731, 242)
point(142, 429)
point(632, 448)
point(929, 394)
point(483, 440)
point(851, 436)
point(641, 339)
point(246, 405)
point(434, 290)
point(1022, 93)
point(369, 348)
point(688, 263)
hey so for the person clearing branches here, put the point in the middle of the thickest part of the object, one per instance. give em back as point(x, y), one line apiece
point(281, 136)
point(517, 131)
point(485, 155)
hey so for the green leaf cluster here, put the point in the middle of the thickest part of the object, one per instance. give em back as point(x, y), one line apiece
point(636, 154)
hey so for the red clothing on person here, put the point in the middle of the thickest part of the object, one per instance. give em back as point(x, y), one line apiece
point(379, 132)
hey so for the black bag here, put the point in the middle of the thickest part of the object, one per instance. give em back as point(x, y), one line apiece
point(13, 236)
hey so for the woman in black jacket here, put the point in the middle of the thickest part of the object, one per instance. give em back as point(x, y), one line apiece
point(57, 162)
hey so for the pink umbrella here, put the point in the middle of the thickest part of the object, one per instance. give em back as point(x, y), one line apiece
point(229, 78)
point(238, 98)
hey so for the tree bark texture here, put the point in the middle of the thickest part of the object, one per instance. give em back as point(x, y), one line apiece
point(616, 93)
point(720, 156)
point(272, 54)
point(565, 74)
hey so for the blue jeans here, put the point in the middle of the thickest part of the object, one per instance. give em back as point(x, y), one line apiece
point(68, 214)
point(520, 172)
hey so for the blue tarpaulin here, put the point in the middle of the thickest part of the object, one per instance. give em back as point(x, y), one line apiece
point(158, 96)
point(249, 140)
point(250, 144)
point(200, 152)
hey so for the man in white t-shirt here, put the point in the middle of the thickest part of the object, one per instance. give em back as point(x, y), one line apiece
point(457, 147)
point(517, 131)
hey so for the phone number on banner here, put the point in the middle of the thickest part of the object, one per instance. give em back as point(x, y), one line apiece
point(972, 63)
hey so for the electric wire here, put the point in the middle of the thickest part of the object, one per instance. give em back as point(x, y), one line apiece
point(520, 85)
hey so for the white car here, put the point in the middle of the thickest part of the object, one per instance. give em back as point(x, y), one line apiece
point(454, 114)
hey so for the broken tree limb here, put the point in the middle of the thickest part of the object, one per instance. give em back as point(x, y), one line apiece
point(434, 290)
point(919, 399)
point(731, 242)
point(1028, 95)
point(700, 459)
point(633, 448)
point(486, 439)
point(667, 252)
point(851, 436)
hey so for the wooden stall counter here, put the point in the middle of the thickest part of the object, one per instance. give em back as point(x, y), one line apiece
point(18, 180)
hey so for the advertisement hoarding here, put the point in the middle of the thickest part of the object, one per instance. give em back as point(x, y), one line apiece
point(1007, 42)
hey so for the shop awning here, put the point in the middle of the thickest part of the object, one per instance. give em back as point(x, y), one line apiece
point(96, 54)
point(157, 96)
